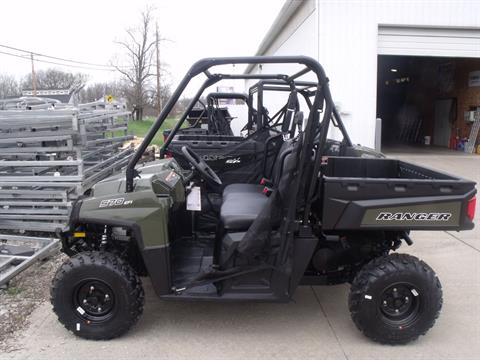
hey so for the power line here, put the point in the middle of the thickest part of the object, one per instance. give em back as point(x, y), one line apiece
point(56, 63)
point(55, 58)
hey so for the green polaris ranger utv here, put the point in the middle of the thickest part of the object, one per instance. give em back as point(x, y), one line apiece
point(318, 219)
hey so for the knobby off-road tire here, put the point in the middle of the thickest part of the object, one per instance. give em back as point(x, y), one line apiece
point(395, 298)
point(97, 296)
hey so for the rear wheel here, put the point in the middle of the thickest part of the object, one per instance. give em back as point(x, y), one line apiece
point(395, 298)
point(96, 295)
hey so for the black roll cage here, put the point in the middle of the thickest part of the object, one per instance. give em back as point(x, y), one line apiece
point(313, 121)
point(212, 100)
point(259, 88)
point(305, 88)
point(224, 95)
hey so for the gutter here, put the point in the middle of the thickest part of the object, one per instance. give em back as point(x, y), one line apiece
point(285, 14)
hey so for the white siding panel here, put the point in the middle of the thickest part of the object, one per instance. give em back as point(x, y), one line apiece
point(298, 42)
point(428, 41)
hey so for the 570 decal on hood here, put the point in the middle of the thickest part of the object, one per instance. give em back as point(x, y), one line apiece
point(114, 202)
point(406, 216)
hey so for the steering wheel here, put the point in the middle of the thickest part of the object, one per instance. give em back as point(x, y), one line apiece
point(201, 166)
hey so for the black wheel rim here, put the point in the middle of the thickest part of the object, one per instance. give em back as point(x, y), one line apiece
point(94, 300)
point(400, 304)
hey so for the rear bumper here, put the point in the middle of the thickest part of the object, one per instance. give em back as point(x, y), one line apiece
point(410, 213)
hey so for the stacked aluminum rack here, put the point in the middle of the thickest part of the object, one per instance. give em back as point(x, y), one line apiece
point(474, 131)
point(51, 153)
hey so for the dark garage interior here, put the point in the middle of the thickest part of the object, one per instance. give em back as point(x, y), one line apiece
point(427, 102)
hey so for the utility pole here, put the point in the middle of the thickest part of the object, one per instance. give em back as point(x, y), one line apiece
point(159, 98)
point(34, 77)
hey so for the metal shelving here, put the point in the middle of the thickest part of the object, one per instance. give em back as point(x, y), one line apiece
point(51, 153)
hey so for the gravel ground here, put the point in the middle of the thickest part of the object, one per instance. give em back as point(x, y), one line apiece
point(24, 293)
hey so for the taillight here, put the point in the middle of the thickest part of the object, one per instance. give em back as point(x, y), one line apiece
point(471, 208)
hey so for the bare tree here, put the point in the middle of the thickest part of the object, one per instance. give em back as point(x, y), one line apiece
point(8, 86)
point(139, 47)
point(54, 79)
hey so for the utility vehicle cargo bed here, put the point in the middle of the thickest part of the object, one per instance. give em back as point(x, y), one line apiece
point(393, 194)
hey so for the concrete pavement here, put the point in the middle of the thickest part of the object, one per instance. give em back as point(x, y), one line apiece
point(316, 325)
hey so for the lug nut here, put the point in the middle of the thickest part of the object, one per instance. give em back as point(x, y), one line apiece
point(384, 303)
point(394, 289)
point(99, 308)
point(396, 310)
point(92, 288)
point(84, 301)
point(107, 297)
point(406, 298)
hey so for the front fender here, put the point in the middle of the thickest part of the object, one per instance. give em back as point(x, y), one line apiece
point(147, 217)
point(142, 209)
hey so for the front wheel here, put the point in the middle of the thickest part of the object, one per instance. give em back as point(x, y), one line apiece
point(395, 298)
point(96, 295)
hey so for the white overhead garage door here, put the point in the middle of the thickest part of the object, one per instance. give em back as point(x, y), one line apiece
point(428, 41)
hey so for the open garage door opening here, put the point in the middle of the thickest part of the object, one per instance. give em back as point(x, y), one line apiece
point(427, 103)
